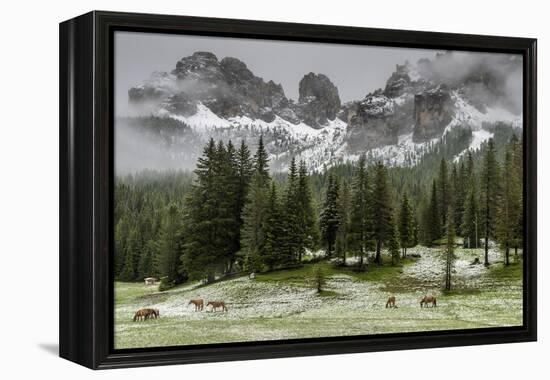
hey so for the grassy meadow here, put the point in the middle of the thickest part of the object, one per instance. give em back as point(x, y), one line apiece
point(284, 304)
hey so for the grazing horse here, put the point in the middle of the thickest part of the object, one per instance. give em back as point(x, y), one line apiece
point(391, 302)
point(199, 304)
point(428, 299)
point(216, 304)
point(144, 314)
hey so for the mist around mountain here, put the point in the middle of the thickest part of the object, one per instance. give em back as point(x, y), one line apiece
point(173, 114)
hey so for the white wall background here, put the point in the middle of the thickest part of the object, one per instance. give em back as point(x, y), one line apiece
point(29, 187)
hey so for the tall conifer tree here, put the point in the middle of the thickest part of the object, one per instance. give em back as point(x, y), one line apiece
point(443, 191)
point(169, 246)
point(244, 172)
point(382, 210)
point(434, 221)
point(261, 164)
point(450, 227)
point(406, 225)
point(253, 232)
point(292, 215)
point(330, 218)
point(393, 243)
point(273, 252)
point(131, 256)
point(344, 211)
point(489, 193)
point(509, 210)
point(308, 228)
point(205, 247)
point(361, 227)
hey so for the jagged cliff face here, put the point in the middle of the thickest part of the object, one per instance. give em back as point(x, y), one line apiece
point(371, 122)
point(418, 104)
point(319, 101)
point(433, 111)
point(229, 89)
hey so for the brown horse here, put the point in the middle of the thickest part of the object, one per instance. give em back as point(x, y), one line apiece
point(198, 302)
point(391, 302)
point(144, 314)
point(216, 304)
point(428, 299)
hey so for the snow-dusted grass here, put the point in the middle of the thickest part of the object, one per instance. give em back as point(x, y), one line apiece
point(284, 305)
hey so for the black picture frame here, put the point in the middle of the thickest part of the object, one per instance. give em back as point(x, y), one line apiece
point(86, 184)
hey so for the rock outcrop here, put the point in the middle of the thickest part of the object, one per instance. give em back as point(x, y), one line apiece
point(398, 83)
point(433, 111)
point(371, 122)
point(318, 100)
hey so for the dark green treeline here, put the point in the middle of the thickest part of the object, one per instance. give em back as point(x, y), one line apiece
point(231, 214)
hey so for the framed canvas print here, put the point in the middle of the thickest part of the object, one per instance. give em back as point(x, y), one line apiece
point(236, 189)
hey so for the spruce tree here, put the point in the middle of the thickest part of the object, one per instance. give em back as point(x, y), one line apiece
point(131, 256)
point(509, 204)
point(253, 232)
point(361, 227)
point(458, 195)
point(469, 165)
point(382, 210)
point(517, 172)
point(292, 216)
point(308, 228)
point(450, 227)
point(261, 164)
point(470, 227)
point(273, 253)
point(461, 192)
point(344, 211)
point(121, 236)
point(489, 193)
point(206, 219)
point(434, 221)
point(330, 218)
point(393, 243)
point(443, 191)
point(254, 216)
point(244, 172)
point(416, 232)
point(227, 189)
point(146, 265)
point(169, 246)
point(406, 225)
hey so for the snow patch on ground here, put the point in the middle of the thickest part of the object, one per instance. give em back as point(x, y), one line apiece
point(268, 308)
point(478, 138)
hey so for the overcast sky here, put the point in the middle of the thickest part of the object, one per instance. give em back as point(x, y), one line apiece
point(355, 70)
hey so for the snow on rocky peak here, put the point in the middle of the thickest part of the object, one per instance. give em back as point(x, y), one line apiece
point(467, 114)
point(224, 99)
point(378, 105)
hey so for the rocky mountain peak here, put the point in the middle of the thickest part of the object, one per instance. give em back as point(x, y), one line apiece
point(417, 104)
point(204, 64)
point(235, 70)
point(318, 100)
point(398, 82)
point(227, 87)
